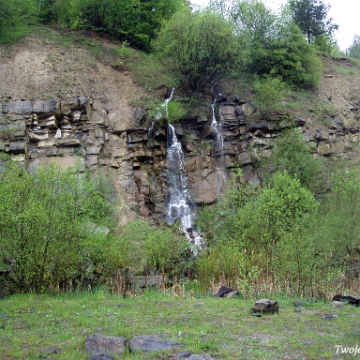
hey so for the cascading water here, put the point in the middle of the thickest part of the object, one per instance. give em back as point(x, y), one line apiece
point(162, 113)
point(179, 205)
point(219, 149)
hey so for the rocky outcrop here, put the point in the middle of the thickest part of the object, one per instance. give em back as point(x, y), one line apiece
point(84, 133)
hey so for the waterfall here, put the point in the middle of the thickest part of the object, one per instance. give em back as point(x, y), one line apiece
point(179, 204)
point(163, 112)
point(218, 149)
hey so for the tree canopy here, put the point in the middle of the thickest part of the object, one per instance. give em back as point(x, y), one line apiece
point(312, 18)
point(197, 48)
point(354, 49)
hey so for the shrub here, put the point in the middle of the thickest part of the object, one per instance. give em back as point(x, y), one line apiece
point(197, 48)
point(47, 223)
point(269, 92)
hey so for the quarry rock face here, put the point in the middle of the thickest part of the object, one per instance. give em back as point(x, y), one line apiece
point(85, 134)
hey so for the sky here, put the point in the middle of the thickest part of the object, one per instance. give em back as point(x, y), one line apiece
point(345, 13)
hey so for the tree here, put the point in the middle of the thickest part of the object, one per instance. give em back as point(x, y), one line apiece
point(49, 220)
point(292, 154)
point(354, 49)
point(277, 210)
point(197, 48)
point(253, 21)
point(311, 17)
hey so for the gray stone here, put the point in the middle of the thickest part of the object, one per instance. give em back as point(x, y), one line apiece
point(151, 343)
point(266, 306)
point(38, 106)
point(17, 147)
point(51, 122)
point(99, 134)
point(139, 114)
point(93, 150)
point(300, 121)
point(23, 107)
point(52, 152)
point(232, 294)
point(297, 303)
point(91, 161)
point(324, 149)
point(38, 135)
point(337, 304)
point(99, 344)
point(68, 142)
point(183, 354)
point(239, 111)
point(223, 291)
point(101, 357)
point(245, 158)
point(200, 357)
point(50, 106)
point(322, 135)
point(82, 100)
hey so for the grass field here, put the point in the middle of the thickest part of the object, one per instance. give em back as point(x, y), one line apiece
point(30, 325)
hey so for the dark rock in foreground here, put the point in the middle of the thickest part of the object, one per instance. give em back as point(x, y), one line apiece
point(350, 299)
point(266, 306)
point(101, 357)
point(224, 291)
point(105, 345)
point(151, 343)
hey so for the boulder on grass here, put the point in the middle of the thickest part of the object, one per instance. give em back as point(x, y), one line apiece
point(266, 306)
point(99, 344)
point(225, 291)
point(350, 299)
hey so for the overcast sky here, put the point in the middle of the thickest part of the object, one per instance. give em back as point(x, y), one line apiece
point(345, 13)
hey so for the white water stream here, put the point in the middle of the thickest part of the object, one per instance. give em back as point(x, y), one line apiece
point(218, 150)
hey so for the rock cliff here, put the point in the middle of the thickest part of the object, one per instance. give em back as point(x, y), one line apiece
point(55, 108)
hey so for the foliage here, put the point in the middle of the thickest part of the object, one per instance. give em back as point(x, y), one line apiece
point(197, 48)
point(253, 21)
point(16, 19)
point(147, 249)
point(170, 112)
point(265, 234)
point(291, 154)
point(133, 20)
point(278, 208)
point(269, 92)
point(343, 215)
point(311, 17)
point(354, 49)
point(47, 222)
point(286, 55)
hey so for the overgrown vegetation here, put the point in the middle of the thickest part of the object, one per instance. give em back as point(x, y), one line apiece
point(58, 232)
point(197, 48)
point(278, 234)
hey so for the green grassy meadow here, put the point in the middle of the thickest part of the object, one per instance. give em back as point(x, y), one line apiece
point(32, 324)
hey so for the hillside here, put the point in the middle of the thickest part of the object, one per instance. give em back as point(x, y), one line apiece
point(68, 66)
point(75, 98)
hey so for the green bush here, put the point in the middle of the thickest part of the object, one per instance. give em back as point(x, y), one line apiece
point(269, 92)
point(197, 48)
point(292, 154)
point(287, 56)
point(47, 224)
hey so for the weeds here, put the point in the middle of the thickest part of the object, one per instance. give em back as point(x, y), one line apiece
point(222, 327)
